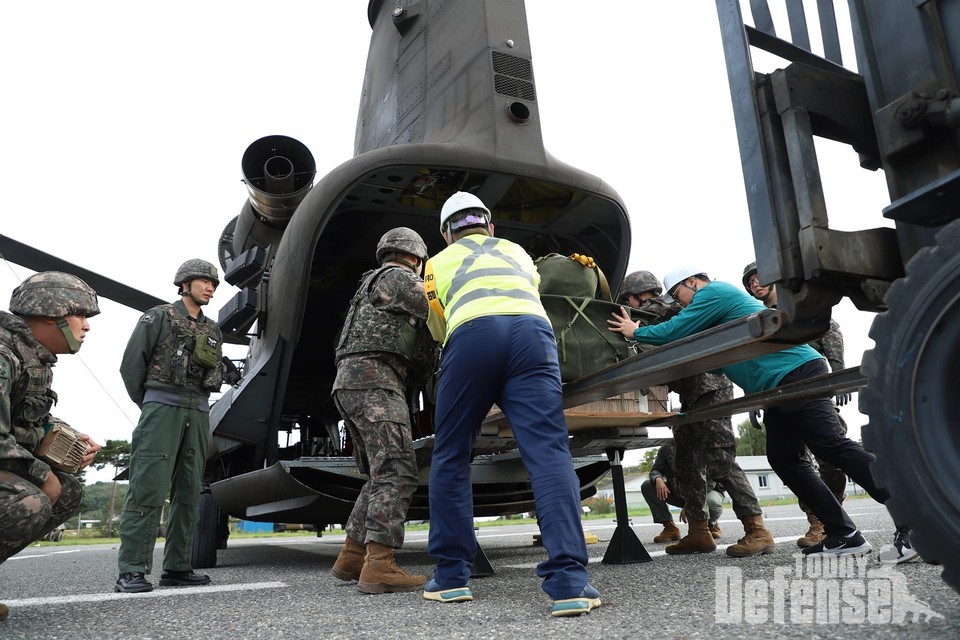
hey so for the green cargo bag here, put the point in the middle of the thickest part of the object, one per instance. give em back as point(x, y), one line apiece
point(575, 275)
point(584, 342)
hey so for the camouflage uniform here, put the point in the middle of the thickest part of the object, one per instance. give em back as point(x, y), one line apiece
point(708, 448)
point(168, 369)
point(665, 466)
point(374, 363)
point(25, 400)
point(830, 346)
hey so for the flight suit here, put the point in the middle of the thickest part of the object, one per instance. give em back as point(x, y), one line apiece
point(163, 374)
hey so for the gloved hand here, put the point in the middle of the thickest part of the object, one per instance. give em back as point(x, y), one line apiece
point(843, 398)
point(755, 417)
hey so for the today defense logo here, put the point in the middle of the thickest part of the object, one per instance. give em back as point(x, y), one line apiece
point(819, 590)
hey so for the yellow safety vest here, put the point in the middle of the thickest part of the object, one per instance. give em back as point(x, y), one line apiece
point(481, 276)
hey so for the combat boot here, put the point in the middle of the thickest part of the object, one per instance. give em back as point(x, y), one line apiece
point(4, 612)
point(815, 534)
point(756, 541)
point(714, 528)
point(381, 574)
point(670, 533)
point(697, 540)
point(350, 561)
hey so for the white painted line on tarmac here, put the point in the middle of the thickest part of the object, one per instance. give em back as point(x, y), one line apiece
point(162, 593)
point(44, 555)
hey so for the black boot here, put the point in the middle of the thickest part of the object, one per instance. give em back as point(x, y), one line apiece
point(183, 579)
point(132, 583)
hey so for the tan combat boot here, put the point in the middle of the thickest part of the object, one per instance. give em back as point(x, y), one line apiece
point(815, 534)
point(4, 612)
point(381, 574)
point(350, 561)
point(714, 528)
point(697, 540)
point(670, 533)
point(756, 541)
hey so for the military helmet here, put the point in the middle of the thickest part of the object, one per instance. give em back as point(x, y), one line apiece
point(54, 294)
point(402, 239)
point(639, 282)
point(196, 268)
point(748, 272)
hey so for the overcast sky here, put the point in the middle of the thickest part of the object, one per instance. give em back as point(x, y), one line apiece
point(124, 124)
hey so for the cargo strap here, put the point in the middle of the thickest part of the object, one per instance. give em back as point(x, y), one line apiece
point(589, 262)
point(561, 339)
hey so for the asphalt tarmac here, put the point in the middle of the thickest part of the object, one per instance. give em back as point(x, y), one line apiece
point(282, 588)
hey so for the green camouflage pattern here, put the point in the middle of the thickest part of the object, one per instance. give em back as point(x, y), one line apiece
point(26, 374)
point(373, 372)
point(375, 349)
point(403, 240)
point(830, 346)
point(26, 514)
point(54, 294)
point(639, 282)
point(159, 354)
point(378, 421)
point(196, 268)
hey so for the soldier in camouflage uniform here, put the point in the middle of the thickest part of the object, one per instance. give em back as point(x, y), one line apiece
point(376, 359)
point(170, 366)
point(704, 449)
point(48, 316)
point(661, 489)
point(830, 346)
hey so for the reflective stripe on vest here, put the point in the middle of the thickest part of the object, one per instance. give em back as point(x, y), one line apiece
point(514, 290)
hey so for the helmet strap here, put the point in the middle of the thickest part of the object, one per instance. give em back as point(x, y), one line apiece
point(72, 343)
point(188, 291)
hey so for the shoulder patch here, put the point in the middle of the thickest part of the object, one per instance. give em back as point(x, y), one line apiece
point(4, 368)
point(147, 318)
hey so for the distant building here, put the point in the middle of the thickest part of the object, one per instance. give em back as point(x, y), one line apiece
point(766, 484)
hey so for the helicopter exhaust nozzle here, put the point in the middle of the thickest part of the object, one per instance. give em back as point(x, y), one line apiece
point(278, 172)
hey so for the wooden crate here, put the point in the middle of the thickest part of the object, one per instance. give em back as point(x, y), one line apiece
point(633, 402)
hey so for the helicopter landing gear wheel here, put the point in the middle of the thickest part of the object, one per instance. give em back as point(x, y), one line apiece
point(911, 397)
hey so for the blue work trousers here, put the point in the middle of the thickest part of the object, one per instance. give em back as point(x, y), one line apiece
point(510, 361)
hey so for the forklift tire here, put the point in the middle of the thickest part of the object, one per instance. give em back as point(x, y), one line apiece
point(912, 376)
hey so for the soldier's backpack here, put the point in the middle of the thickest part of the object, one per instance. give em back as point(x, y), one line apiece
point(576, 297)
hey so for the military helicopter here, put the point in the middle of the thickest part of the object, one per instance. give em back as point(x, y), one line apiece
point(459, 115)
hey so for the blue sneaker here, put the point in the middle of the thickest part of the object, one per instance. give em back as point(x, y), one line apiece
point(587, 601)
point(432, 591)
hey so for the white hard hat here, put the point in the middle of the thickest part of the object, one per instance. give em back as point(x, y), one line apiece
point(460, 201)
point(676, 276)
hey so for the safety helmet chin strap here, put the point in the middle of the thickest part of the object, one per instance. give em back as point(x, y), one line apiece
point(72, 343)
point(189, 292)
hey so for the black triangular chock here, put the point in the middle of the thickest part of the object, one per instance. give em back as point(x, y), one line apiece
point(625, 547)
point(481, 564)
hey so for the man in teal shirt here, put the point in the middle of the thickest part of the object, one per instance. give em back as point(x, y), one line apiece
point(790, 426)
